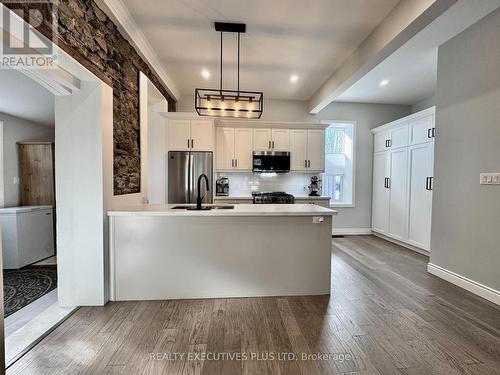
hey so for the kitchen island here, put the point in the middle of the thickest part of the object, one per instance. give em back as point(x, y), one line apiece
point(245, 250)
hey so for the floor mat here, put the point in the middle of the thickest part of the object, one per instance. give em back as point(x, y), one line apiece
point(23, 286)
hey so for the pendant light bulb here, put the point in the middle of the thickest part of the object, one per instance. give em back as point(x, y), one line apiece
point(209, 103)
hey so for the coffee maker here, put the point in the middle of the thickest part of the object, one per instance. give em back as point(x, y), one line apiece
point(315, 187)
point(222, 187)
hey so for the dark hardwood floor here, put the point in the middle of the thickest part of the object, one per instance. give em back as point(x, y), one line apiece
point(386, 315)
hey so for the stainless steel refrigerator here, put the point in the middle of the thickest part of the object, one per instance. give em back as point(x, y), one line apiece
point(184, 168)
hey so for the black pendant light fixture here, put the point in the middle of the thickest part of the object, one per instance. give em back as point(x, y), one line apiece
point(229, 103)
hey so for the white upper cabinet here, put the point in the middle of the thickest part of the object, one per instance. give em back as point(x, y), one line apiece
point(234, 148)
point(422, 130)
point(307, 150)
point(179, 135)
point(194, 135)
point(225, 148)
point(243, 148)
point(316, 150)
point(391, 138)
point(298, 149)
point(202, 135)
point(280, 140)
point(262, 139)
point(265, 139)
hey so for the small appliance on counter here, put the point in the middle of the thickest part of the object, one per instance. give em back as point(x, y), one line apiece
point(222, 187)
point(272, 198)
point(315, 187)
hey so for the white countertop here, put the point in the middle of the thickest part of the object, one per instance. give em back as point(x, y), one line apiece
point(300, 197)
point(238, 210)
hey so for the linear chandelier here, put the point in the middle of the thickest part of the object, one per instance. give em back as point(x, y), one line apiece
point(229, 103)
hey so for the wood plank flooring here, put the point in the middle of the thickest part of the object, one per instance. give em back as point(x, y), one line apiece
point(386, 315)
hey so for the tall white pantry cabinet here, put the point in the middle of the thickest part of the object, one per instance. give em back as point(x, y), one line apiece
point(403, 179)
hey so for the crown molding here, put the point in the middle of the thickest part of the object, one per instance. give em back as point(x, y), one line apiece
point(118, 12)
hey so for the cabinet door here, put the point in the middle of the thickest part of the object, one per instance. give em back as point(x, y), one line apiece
point(399, 137)
point(243, 148)
point(421, 169)
point(398, 211)
point(225, 148)
point(281, 139)
point(261, 139)
point(316, 150)
point(381, 193)
point(202, 135)
point(380, 141)
point(179, 134)
point(421, 130)
point(298, 150)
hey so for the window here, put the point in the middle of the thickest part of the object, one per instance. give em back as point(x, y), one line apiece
point(338, 179)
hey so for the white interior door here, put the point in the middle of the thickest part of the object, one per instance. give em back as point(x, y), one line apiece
point(281, 139)
point(316, 150)
point(381, 193)
point(421, 169)
point(179, 134)
point(225, 148)
point(202, 135)
point(261, 139)
point(398, 208)
point(243, 148)
point(298, 149)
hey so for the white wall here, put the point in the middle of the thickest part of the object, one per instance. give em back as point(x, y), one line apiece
point(366, 116)
point(425, 103)
point(466, 215)
point(16, 130)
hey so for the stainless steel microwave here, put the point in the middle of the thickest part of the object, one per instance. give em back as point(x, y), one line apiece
point(271, 161)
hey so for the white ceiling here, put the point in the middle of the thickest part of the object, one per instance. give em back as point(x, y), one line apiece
point(307, 38)
point(22, 97)
point(412, 69)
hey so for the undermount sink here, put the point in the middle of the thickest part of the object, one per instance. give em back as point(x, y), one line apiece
point(190, 207)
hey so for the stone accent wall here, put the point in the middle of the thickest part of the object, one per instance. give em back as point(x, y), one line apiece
point(89, 36)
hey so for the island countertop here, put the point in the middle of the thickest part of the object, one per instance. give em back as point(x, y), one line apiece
point(238, 210)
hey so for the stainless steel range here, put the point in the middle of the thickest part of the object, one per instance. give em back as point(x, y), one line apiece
point(272, 198)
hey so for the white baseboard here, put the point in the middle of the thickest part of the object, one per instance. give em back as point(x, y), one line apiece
point(351, 231)
point(401, 243)
point(472, 286)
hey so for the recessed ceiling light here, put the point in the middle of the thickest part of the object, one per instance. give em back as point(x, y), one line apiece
point(205, 74)
point(384, 82)
point(294, 78)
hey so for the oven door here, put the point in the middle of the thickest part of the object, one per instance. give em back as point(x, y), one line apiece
point(271, 161)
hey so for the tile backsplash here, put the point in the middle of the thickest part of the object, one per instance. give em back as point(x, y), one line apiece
point(243, 184)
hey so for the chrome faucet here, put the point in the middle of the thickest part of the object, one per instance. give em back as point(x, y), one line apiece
point(200, 198)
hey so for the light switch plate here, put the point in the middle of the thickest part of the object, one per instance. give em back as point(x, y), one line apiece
point(489, 178)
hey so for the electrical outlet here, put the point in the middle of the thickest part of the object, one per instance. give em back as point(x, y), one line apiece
point(489, 178)
point(16, 180)
point(318, 219)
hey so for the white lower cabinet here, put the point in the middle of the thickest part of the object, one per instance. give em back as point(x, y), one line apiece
point(381, 193)
point(398, 194)
point(421, 183)
point(403, 180)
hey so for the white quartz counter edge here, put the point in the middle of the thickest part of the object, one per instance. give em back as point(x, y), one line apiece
point(238, 210)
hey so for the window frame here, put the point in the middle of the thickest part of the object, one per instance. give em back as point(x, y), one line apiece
point(354, 158)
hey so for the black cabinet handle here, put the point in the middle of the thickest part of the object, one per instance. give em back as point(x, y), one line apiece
point(305, 163)
point(273, 145)
point(388, 182)
point(428, 183)
point(433, 133)
point(188, 142)
point(308, 164)
point(429, 133)
point(385, 182)
point(269, 144)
